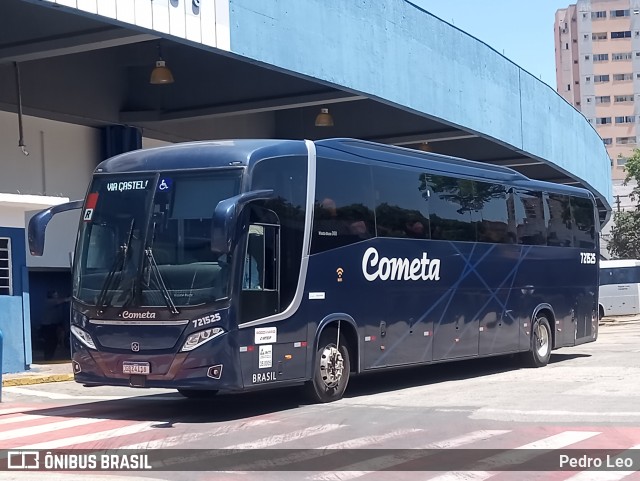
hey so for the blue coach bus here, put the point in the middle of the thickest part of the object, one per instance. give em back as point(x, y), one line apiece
point(239, 265)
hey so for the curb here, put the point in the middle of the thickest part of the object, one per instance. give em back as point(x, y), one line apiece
point(26, 380)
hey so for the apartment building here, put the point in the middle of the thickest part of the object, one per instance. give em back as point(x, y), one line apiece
point(597, 46)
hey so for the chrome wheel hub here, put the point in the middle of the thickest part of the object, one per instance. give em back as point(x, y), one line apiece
point(542, 340)
point(331, 366)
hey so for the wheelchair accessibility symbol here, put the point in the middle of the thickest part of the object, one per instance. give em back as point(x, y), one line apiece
point(164, 184)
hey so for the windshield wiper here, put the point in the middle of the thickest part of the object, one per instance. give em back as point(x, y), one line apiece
point(160, 282)
point(118, 263)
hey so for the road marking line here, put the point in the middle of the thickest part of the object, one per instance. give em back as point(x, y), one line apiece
point(287, 437)
point(46, 428)
point(85, 438)
point(385, 462)
point(61, 396)
point(314, 453)
point(58, 413)
point(557, 441)
point(191, 437)
point(16, 410)
point(258, 444)
point(545, 412)
point(606, 475)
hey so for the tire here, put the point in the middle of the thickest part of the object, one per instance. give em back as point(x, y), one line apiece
point(540, 348)
point(197, 393)
point(332, 366)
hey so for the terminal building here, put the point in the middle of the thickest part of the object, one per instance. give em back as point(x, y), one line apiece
point(82, 80)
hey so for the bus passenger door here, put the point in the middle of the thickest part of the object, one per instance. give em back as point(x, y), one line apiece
point(260, 295)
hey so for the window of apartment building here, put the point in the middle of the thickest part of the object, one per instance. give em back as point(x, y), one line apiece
point(618, 13)
point(598, 15)
point(607, 141)
point(587, 79)
point(599, 36)
point(620, 161)
point(621, 56)
point(600, 57)
point(625, 140)
point(586, 57)
point(603, 120)
point(625, 119)
point(575, 62)
point(586, 36)
point(5, 267)
point(622, 34)
point(566, 46)
point(622, 77)
point(603, 99)
point(600, 78)
point(623, 98)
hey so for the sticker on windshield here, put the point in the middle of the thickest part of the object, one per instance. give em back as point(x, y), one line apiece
point(90, 205)
point(165, 184)
point(127, 185)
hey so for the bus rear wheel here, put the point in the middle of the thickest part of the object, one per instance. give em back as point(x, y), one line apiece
point(197, 393)
point(331, 369)
point(540, 349)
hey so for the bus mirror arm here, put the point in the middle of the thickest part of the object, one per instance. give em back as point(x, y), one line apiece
point(38, 224)
point(226, 214)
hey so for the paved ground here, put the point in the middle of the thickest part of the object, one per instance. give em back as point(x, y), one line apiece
point(587, 399)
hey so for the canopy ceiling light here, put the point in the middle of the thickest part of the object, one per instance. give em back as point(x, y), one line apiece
point(425, 147)
point(324, 119)
point(161, 74)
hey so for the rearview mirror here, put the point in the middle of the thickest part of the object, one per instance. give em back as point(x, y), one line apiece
point(225, 217)
point(38, 224)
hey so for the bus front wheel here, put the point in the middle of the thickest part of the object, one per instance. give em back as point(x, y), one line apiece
point(331, 369)
point(540, 349)
point(197, 393)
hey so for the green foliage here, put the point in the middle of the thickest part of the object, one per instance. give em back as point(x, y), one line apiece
point(624, 242)
point(625, 235)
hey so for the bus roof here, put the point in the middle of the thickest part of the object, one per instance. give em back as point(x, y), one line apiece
point(619, 263)
point(238, 153)
point(200, 155)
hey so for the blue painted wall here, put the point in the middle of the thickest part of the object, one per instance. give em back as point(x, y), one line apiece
point(394, 51)
point(14, 310)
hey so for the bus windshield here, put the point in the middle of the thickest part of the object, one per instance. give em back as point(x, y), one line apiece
point(145, 241)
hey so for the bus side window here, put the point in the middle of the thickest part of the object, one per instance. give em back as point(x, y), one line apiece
point(450, 208)
point(343, 206)
point(493, 218)
point(583, 216)
point(530, 223)
point(402, 208)
point(560, 224)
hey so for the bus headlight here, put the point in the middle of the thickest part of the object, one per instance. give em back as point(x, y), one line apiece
point(199, 338)
point(83, 336)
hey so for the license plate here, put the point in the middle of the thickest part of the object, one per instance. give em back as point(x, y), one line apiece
point(135, 367)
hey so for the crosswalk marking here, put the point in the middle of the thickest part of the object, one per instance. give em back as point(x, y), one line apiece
point(45, 428)
point(385, 462)
point(97, 436)
point(306, 455)
point(557, 441)
point(287, 437)
point(16, 410)
point(187, 438)
point(32, 417)
point(605, 475)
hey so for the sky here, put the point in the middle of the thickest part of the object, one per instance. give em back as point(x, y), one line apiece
point(521, 30)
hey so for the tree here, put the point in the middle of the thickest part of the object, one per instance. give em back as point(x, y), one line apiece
point(624, 242)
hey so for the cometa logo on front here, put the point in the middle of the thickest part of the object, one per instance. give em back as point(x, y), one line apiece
point(138, 315)
point(398, 268)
